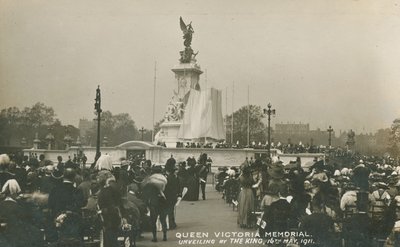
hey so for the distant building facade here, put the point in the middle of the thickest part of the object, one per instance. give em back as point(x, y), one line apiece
point(292, 129)
point(295, 133)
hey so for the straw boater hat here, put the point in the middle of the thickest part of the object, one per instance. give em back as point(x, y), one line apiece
point(276, 170)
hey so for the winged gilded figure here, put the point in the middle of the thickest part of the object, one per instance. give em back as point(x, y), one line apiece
point(187, 32)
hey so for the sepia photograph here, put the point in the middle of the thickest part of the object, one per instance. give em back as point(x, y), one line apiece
point(199, 123)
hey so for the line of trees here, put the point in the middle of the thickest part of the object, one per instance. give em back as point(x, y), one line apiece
point(18, 128)
point(384, 141)
point(257, 128)
point(117, 128)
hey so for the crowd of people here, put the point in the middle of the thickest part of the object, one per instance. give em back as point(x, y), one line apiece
point(340, 200)
point(289, 148)
point(337, 203)
point(69, 204)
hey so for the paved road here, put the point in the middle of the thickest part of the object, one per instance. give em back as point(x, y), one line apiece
point(211, 217)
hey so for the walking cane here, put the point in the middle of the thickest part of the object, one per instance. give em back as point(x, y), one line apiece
point(185, 189)
point(99, 212)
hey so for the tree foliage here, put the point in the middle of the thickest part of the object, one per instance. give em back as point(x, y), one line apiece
point(16, 124)
point(240, 125)
point(394, 140)
point(37, 115)
point(117, 128)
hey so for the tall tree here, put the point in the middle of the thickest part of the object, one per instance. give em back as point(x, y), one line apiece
point(15, 124)
point(117, 128)
point(394, 140)
point(37, 115)
point(124, 128)
point(10, 121)
point(240, 125)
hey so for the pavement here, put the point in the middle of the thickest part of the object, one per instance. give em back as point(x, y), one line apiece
point(209, 222)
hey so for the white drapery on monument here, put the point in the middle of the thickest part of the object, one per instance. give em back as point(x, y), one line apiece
point(193, 114)
point(203, 116)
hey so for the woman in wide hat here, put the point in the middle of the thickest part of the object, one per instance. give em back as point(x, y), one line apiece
point(276, 175)
point(246, 198)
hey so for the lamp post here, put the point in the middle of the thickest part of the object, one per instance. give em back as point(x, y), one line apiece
point(269, 112)
point(97, 107)
point(36, 141)
point(88, 140)
point(67, 138)
point(50, 139)
point(142, 131)
point(330, 130)
point(105, 141)
point(79, 150)
point(23, 141)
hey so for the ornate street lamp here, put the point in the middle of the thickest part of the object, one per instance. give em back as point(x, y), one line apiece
point(23, 141)
point(36, 141)
point(88, 140)
point(78, 141)
point(142, 131)
point(270, 112)
point(330, 130)
point(49, 138)
point(105, 141)
point(97, 107)
point(79, 151)
point(67, 138)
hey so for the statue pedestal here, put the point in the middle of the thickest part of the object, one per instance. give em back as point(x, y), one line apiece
point(187, 76)
point(169, 133)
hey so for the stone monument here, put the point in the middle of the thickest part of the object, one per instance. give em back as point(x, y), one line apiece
point(181, 120)
point(187, 75)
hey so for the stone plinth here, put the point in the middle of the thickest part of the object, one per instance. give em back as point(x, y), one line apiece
point(187, 76)
point(169, 133)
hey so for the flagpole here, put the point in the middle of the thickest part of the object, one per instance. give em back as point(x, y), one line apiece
point(226, 113)
point(233, 95)
point(248, 116)
point(154, 99)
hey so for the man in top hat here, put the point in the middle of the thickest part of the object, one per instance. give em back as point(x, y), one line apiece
point(222, 174)
point(123, 179)
point(65, 197)
point(154, 198)
point(110, 202)
point(46, 182)
point(171, 161)
point(361, 176)
point(172, 192)
point(202, 171)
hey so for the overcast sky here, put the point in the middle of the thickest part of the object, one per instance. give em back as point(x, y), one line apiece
point(319, 62)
